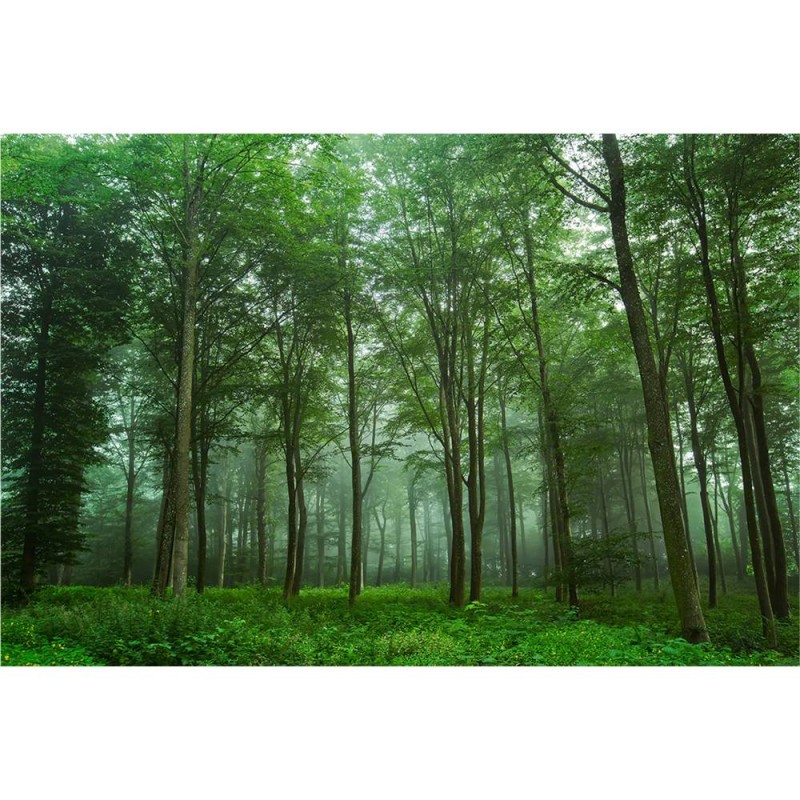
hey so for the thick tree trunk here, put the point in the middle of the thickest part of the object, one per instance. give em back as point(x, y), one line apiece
point(693, 626)
point(183, 429)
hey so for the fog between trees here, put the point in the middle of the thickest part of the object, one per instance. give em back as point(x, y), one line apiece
point(567, 362)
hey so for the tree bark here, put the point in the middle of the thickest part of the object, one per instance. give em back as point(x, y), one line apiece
point(700, 466)
point(511, 499)
point(320, 509)
point(355, 448)
point(130, 477)
point(693, 626)
point(193, 191)
point(412, 519)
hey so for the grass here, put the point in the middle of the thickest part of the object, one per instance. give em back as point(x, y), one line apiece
point(393, 625)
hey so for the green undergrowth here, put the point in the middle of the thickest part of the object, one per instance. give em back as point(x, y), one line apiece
point(393, 625)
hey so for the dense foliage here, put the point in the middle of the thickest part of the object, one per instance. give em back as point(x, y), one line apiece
point(390, 626)
point(559, 364)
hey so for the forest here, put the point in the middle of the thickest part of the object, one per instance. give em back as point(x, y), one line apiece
point(436, 399)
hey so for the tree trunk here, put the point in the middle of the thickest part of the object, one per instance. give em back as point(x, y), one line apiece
point(261, 510)
point(183, 429)
point(607, 536)
point(502, 525)
point(355, 449)
point(700, 466)
point(648, 517)
point(130, 476)
point(398, 528)
point(341, 556)
point(382, 551)
point(698, 210)
point(320, 514)
point(166, 529)
point(412, 517)
point(553, 437)
point(512, 505)
point(684, 505)
point(302, 525)
point(693, 626)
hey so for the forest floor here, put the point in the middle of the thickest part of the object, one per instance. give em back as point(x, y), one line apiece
point(392, 625)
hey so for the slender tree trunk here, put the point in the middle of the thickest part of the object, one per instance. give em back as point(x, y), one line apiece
point(341, 556)
point(717, 548)
point(320, 514)
point(223, 525)
point(700, 466)
point(261, 510)
point(697, 201)
point(448, 527)
point(412, 517)
point(382, 551)
point(398, 529)
point(355, 449)
point(426, 522)
point(511, 499)
point(553, 438)
point(761, 504)
point(658, 426)
point(524, 561)
point(790, 510)
point(684, 505)
point(607, 536)
point(648, 517)
point(365, 549)
point(738, 549)
point(302, 524)
point(626, 486)
point(545, 532)
point(502, 526)
point(130, 475)
point(291, 526)
point(166, 532)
